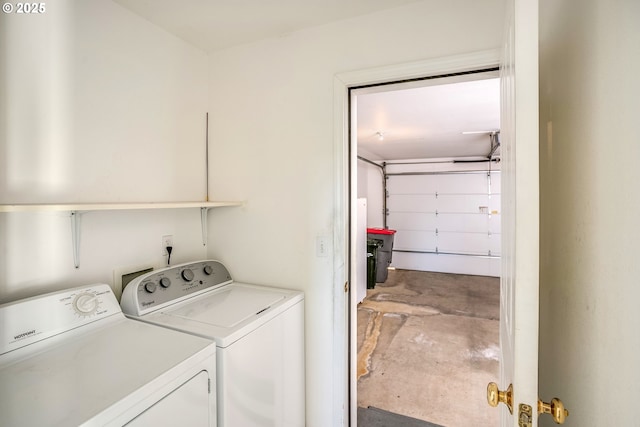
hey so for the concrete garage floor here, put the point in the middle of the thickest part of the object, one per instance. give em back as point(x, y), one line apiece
point(428, 345)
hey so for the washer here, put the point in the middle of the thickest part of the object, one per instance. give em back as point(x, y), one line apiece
point(259, 332)
point(72, 358)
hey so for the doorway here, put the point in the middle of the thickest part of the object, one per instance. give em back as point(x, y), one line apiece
point(428, 167)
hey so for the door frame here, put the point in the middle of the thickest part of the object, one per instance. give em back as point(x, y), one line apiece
point(345, 185)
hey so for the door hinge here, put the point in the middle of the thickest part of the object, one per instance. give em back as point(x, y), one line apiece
point(209, 385)
point(346, 287)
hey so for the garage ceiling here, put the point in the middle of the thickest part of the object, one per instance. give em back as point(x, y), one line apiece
point(451, 120)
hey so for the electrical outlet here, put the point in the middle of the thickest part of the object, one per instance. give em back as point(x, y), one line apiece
point(166, 241)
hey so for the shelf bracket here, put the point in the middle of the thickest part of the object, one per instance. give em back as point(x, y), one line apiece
point(75, 236)
point(204, 220)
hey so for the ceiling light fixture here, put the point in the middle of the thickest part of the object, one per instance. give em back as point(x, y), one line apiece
point(380, 136)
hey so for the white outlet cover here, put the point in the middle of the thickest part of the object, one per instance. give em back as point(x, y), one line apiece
point(167, 240)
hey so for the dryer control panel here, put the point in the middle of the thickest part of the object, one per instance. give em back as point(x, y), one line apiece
point(161, 288)
point(35, 319)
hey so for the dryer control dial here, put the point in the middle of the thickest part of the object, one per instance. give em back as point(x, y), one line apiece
point(85, 303)
point(208, 270)
point(165, 282)
point(150, 287)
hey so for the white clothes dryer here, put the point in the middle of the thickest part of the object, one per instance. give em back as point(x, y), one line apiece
point(71, 358)
point(259, 332)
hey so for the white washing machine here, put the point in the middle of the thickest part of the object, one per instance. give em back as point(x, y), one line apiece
point(259, 332)
point(71, 358)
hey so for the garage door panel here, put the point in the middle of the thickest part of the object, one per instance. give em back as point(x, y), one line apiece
point(413, 184)
point(496, 183)
point(464, 183)
point(463, 243)
point(483, 266)
point(411, 203)
point(495, 245)
point(415, 240)
point(450, 203)
point(412, 221)
point(462, 222)
point(494, 202)
point(495, 225)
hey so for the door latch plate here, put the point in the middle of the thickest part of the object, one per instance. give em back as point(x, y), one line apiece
point(525, 415)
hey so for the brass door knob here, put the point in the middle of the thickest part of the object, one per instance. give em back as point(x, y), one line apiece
point(556, 409)
point(495, 396)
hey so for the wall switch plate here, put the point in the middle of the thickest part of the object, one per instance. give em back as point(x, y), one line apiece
point(322, 249)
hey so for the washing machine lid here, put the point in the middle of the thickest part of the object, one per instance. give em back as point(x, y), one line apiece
point(228, 313)
point(228, 307)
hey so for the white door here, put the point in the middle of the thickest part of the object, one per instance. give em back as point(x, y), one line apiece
point(519, 138)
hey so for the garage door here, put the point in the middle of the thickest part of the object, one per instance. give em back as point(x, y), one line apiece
point(446, 222)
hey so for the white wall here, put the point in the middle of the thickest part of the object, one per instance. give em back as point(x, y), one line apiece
point(272, 144)
point(97, 105)
point(589, 152)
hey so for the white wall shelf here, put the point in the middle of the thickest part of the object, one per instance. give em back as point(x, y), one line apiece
point(77, 209)
point(85, 207)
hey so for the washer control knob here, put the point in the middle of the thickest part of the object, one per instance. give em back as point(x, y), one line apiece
point(208, 270)
point(85, 304)
point(150, 287)
point(165, 282)
point(187, 275)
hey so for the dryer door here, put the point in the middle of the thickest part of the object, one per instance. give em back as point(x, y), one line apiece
point(188, 405)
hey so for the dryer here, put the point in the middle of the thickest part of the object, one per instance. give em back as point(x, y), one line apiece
point(71, 358)
point(258, 330)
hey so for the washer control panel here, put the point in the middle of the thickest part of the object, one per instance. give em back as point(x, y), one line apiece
point(160, 288)
point(34, 319)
